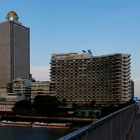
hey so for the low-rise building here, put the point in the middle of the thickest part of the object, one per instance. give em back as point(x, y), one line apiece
point(40, 88)
point(30, 89)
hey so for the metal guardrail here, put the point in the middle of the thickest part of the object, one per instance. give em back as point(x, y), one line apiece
point(115, 126)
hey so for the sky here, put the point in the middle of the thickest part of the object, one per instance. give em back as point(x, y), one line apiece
point(63, 26)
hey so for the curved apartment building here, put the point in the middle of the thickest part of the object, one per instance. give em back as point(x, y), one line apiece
point(82, 78)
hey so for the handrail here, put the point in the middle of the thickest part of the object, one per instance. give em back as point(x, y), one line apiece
point(87, 129)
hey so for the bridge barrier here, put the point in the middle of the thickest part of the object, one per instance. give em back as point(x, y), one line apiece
point(115, 126)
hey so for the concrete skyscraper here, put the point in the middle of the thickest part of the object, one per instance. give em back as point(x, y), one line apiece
point(14, 50)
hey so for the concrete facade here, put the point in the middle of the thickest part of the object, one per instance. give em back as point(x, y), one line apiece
point(83, 78)
point(36, 88)
point(14, 52)
point(132, 89)
point(40, 88)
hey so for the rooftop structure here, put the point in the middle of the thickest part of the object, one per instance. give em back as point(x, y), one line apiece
point(12, 16)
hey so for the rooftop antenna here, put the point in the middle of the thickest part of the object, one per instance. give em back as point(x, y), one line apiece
point(89, 51)
point(83, 51)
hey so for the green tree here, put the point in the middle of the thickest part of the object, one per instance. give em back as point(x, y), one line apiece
point(92, 103)
point(22, 107)
point(63, 102)
point(46, 105)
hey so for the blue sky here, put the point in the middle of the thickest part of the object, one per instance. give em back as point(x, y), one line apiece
point(58, 26)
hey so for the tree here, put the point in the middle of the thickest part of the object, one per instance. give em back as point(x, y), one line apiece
point(46, 105)
point(22, 107)
point(63, 102)
point(92, 103)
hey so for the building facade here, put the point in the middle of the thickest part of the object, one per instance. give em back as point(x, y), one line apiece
point(14, 50)
point(132, 88)
point(84, 78)
point(41, 88)
point(28, 89)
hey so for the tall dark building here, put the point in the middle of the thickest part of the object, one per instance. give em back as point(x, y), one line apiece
point(14, 50)
point(132, 89)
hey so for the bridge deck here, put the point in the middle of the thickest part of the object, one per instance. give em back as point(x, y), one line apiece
point(136, 129)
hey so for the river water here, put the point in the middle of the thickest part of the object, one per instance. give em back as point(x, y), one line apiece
point(23, 133)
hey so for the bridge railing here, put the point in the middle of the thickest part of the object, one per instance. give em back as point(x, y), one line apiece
point(115, 126)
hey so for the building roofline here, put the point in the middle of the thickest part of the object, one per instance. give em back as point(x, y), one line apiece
point(86, 55)
point(18, 23)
